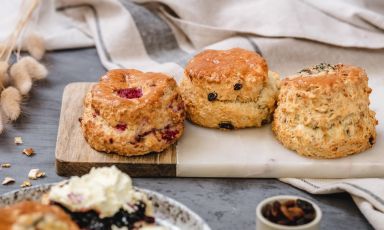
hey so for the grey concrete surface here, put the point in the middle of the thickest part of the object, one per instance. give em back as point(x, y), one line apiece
point(226, 204)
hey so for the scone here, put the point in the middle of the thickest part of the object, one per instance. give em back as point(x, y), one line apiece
point(323, 112)
point(229, 89)
point(129, 112)
point(30, 215)
point(103, 199)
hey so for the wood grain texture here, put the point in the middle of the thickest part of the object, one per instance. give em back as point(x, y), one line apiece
point(75, 157)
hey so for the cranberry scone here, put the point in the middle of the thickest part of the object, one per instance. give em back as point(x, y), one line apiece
point(129, 112)
point(229, 89)
point(323, 112)
point(103, 199)
point(30, 215)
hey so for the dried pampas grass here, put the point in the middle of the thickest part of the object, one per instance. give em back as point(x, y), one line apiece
point(3, 121)
point(4, 77)
point(22, 73)
point(36, 70)
point(34, 44)
point(10, 102)
point(21, 78)
point(3, 49)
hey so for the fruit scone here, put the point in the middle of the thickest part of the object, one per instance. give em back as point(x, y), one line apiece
point(323, 112)
point(229, 89)
point(103, 199)
point(129, 112)
point(30, 215)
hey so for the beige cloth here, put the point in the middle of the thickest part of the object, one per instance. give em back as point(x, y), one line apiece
point(162, 35)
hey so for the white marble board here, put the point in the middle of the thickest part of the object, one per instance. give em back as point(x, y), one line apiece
point(255, 152)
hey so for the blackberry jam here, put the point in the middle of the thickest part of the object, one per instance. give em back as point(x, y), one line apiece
point(90, 220)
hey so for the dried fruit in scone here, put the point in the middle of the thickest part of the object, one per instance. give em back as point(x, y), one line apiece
point(32, 215)
point(103, 199)
point(129, 112)
point(323, 112)
point(229, 89)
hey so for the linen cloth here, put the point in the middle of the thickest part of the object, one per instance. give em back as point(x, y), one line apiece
point(162, 35)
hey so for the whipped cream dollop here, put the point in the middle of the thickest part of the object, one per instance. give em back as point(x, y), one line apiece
point(104, 190)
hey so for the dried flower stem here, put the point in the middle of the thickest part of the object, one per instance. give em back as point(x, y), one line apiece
point(19, 27)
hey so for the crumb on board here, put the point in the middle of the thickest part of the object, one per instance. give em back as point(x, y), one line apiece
point(5, 165)
point(35, 174)
point(18, 140)
point(28, 151)
point(26, 183)
point(8, 180)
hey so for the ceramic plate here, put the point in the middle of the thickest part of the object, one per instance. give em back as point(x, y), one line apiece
point(168, 212)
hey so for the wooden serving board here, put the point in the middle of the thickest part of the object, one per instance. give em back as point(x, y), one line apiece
point(75, 157)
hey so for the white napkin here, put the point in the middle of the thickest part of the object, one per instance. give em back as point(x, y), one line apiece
point(368, 194)
point(161, 35)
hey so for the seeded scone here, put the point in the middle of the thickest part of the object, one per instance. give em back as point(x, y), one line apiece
point(229, 89)
point(104, 199)
point(323, 112)
point(129, 112)
point(30, 215)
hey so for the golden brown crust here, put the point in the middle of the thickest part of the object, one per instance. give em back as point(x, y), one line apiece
point(334, 76)
point(33, 215)
point(150, 121)
point(326, 114)
point(222, 65)
point(229, 86)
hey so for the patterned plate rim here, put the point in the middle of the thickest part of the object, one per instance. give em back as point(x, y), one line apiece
point(164, 198)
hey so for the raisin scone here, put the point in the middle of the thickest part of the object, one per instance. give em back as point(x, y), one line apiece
point(103, 199)
point(129, 112)
point(323, 112)
point(30, 215)
point(229, 89)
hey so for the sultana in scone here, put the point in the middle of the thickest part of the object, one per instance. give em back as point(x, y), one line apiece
point(129, 112)
point(229, 89)
point(323, 112)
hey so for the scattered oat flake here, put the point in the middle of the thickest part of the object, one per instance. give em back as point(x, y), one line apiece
point(8, 180)
point(18, 140)
point(26, 183)
point(28, 151)
point(5, 165)
point(35, 173)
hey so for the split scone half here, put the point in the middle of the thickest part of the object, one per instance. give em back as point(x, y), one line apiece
point(229, 89)
point(104, 199)
point(129, 112)
point(323, 112)
point(30, 215)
